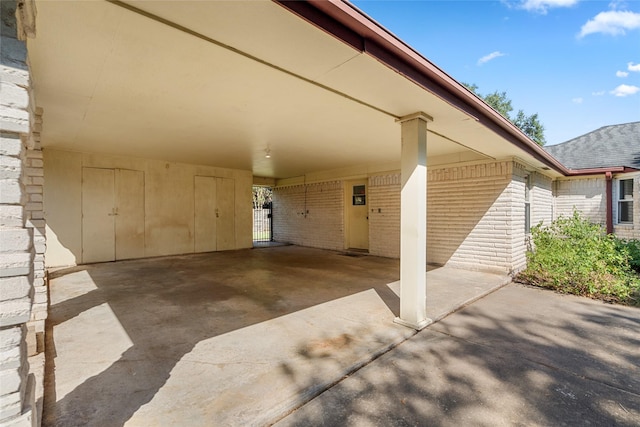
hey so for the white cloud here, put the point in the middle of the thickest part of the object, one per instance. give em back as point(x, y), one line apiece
point(621, 74)
point(625, 90)
point(577, 100)
point(633, 67)
point(618, 4)
point(541, 6)
point(489, 57)
point(612, 22)
point(599, 93)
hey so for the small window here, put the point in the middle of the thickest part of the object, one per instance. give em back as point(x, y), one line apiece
point(527, 204)
point(359, 195)
point(625, 201)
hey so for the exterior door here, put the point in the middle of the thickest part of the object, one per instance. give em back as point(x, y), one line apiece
point(98, 215)
point(357, 215)
point(225, 214)
point(112, 214)
point(205, 214)
point(214, 214)
point(129, 214)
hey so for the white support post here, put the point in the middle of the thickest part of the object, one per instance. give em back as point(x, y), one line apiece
point(413, 222)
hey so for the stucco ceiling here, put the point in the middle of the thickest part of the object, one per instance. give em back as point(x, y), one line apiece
point(217, 83)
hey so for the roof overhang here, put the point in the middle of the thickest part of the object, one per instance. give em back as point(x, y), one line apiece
point(600, 171)
point(217, 83)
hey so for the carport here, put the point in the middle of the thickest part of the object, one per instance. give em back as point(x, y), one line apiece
point(218, 84)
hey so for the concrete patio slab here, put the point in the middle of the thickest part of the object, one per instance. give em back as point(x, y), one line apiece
point(228, 338)
point(520, 356)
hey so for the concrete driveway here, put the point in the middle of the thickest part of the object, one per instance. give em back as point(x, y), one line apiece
point(234, 338)
point(519, 356)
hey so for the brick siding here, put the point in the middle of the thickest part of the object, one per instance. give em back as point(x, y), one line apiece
point(541, 200)
point(384, 215)
point(310, 215)
point(475, 215)
point(471, 214)
point(17, 252)
point(584, 194)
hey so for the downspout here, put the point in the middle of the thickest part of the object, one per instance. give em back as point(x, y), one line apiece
point(609, 191)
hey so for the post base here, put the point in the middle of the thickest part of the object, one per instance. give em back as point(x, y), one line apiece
point(417, 326)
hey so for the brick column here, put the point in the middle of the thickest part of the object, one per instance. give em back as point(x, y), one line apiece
point(17, 386)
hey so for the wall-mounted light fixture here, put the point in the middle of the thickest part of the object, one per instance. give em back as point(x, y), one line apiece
point(267, 153)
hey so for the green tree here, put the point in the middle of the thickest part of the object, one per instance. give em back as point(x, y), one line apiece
point(499, 101)
point(261, 196)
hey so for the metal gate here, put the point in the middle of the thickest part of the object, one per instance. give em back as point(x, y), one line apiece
point(263, 223)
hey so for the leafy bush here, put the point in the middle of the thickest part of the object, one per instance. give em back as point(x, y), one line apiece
point(633, 248)
point(573, 255)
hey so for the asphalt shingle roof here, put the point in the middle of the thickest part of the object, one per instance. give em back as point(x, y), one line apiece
point(609, 146)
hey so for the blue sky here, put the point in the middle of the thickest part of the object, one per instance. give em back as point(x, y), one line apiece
point(575, 63)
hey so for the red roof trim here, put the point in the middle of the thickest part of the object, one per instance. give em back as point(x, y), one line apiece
point(601, 171)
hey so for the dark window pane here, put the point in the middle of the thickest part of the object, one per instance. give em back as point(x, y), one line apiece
point(625, 212)
point(626, 189)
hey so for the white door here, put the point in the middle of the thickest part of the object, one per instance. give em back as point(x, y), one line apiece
point(129, 214)
point(205, 214)
point(225, 214)
point(98, 215)
point(112, 214)
point(357, 215)
point(214, 211)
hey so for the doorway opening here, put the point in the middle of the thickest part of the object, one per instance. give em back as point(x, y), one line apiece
point(356, 216)
point(262, 214)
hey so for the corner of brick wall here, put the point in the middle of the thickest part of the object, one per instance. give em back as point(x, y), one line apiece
point(18, 253)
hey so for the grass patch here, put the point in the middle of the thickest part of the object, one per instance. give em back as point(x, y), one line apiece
point(261, 235)
point(576, 256)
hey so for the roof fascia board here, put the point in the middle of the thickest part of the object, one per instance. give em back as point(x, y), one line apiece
point(600, 171)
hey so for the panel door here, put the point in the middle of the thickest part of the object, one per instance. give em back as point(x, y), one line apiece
point(357, 215)
point(98, 215)
point(129, 212)
point(225, 214)
point(205, 214)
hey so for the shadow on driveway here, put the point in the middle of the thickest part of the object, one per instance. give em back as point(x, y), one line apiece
point(520, 356)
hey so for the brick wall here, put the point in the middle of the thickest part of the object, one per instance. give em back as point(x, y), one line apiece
point(584, 194)
point(34, 216)
point(588, 195)
point(17, 386)
point(541, 199)
point(475, 215)
point(310, 215)
point(518, 237)
point(470, 216)
point(384, 215)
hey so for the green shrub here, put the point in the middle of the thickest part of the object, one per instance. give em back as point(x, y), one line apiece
point(573, 255)
point(632, 246)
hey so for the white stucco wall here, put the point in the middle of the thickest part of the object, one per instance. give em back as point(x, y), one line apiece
point(169, 203)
